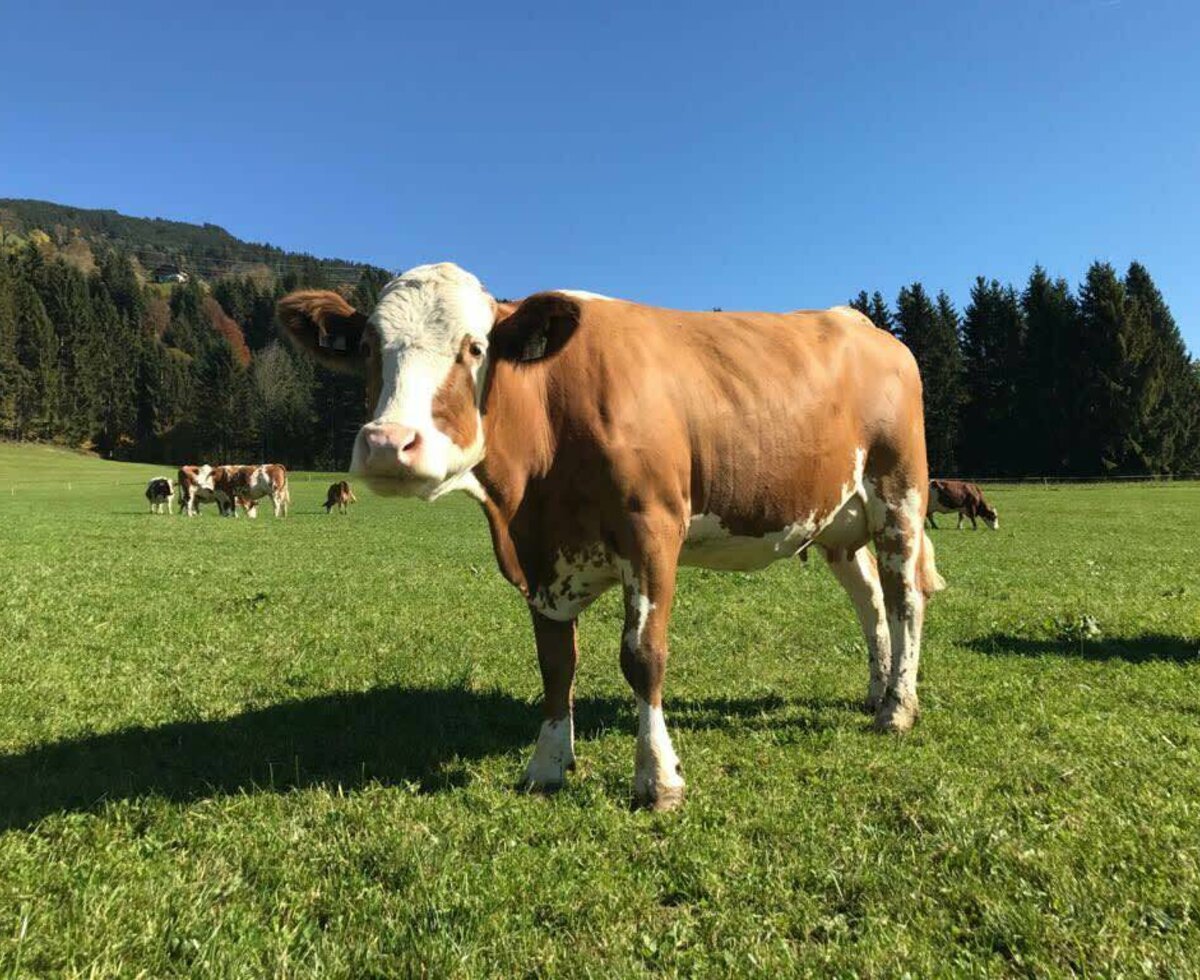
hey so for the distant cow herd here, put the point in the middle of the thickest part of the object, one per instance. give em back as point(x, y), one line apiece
point(231, 487)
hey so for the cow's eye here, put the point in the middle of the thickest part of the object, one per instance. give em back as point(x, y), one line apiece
point(476, 348)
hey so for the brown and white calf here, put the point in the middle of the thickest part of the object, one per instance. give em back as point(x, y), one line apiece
point(244, 486)
point(196, 486)
point(160, 492)
point(610, 442)
point(340, 496)
point(962, 498)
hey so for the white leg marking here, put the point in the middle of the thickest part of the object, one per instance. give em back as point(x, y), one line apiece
point(554, 754)
point(860, 578)
point(656, 777)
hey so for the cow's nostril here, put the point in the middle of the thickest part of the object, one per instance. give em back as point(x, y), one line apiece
point(410, 444)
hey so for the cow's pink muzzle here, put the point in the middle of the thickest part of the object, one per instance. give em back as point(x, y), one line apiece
point(390, 449)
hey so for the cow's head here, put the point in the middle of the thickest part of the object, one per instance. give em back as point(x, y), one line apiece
point(425, 352)
point(989, 515)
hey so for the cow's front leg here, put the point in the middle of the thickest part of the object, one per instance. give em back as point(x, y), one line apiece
point(649, 590)
point(558, 654)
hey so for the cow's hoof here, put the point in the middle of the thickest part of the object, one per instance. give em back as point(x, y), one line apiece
point(873, 700)
point(543, 779)
point(660, 800)
point(545, 788)
point(897, 714)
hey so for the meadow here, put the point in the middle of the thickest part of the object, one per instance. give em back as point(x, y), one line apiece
point(291, 748)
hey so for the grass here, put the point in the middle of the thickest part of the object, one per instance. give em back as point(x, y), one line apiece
point(290, 748)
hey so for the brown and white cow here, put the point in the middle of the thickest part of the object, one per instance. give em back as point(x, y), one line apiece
point(610, 442)
point(244, 486)
point(962, 498)
point(196, 486)
point(340, 496)
point(160, 491)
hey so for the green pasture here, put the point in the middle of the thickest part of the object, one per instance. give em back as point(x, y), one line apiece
point(291, 748)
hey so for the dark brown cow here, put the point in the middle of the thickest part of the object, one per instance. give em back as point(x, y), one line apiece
point(340, 496)
point(610, 442)
point(962, 498)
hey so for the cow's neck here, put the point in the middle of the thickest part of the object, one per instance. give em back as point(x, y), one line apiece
point(518, 433)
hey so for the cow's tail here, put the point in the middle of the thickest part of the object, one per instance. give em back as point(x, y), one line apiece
point(929, 580)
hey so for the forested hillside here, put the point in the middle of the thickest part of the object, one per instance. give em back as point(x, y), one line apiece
point(95, 356)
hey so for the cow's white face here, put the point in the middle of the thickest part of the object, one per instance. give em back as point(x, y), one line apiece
point(425, 355)
point(425, 348)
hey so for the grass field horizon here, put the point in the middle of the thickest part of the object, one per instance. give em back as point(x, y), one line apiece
point(291, 747)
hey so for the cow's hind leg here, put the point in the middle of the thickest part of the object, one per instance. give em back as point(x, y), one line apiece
point(558, 654)
point(907, 575)
point(859, 576)
point(649, 588)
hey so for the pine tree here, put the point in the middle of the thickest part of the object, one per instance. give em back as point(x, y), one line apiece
point(1173, 435)
point(1047, 404)
point(1118, 377)
point(931, 333)
point(219, 389)
point(11, 373)
point(37, 354)
point(993, 334)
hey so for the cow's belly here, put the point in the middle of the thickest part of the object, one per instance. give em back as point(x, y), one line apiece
point(710, 545)
point(580, 577)
point(937, 507)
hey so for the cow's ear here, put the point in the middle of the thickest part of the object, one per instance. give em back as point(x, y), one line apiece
point(327, 328)
point(540, 327)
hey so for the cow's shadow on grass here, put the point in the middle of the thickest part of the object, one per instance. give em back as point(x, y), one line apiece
point(1144, 648)
point(423, 737)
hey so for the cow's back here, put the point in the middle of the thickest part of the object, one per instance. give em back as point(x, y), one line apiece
point(762, 423)
point(752, 416)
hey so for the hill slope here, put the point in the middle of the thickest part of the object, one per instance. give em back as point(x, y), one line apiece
point(206, 250)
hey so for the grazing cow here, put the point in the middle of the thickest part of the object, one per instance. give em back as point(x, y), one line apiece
point(610, 442)
point(340, 496)
point(160, 492)
point(244, 486)
point(196, 486)
point(962, 498)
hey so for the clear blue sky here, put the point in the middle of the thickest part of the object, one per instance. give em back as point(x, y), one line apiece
point(752, 155)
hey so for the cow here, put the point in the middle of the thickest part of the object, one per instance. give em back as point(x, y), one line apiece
point(244, 486)
point(609, 442)
point(160, 492)
point(340, 496)
point(196, 486)
point(962, 498)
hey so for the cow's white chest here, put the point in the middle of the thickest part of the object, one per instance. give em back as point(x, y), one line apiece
point(709, 544)
point(580, 577)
